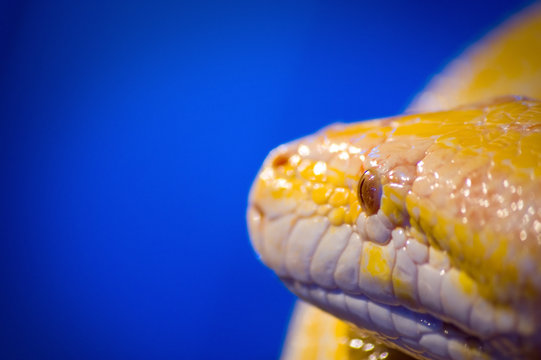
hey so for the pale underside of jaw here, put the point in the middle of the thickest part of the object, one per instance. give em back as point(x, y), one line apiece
point(418, 334)
point(328, 266)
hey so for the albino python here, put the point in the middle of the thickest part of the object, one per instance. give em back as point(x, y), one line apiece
point(419, 234)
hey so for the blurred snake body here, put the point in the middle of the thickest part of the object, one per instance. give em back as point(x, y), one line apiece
point(419, 234)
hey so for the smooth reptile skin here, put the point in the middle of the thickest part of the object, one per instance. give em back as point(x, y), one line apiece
point(450, 265)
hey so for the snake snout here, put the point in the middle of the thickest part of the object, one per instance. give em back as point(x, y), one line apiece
point(271, 205)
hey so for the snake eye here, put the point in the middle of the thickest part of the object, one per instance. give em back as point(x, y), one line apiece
point(369, 191)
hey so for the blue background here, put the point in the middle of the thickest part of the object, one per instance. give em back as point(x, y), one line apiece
point(130, 134)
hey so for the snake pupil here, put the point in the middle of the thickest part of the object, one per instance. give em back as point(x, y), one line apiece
point(369, 191)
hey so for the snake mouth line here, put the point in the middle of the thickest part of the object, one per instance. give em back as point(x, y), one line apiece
point(420, 334)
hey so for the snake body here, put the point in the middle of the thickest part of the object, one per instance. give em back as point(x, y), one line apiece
point(422, 231)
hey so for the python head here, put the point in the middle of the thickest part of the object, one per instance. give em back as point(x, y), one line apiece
point(422, 229)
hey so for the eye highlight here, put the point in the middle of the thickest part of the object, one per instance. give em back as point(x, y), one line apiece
point(369, 191)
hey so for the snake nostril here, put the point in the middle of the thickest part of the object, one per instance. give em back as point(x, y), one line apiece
point(280, 160)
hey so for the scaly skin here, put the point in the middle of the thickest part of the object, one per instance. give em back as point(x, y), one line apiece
point(457, 234)
point(450, 265)
point(335, 339)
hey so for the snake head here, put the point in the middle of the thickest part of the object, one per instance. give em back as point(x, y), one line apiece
point(425, 228)
point(334, 180)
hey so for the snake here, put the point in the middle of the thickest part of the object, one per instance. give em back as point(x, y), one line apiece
point(417, 235)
